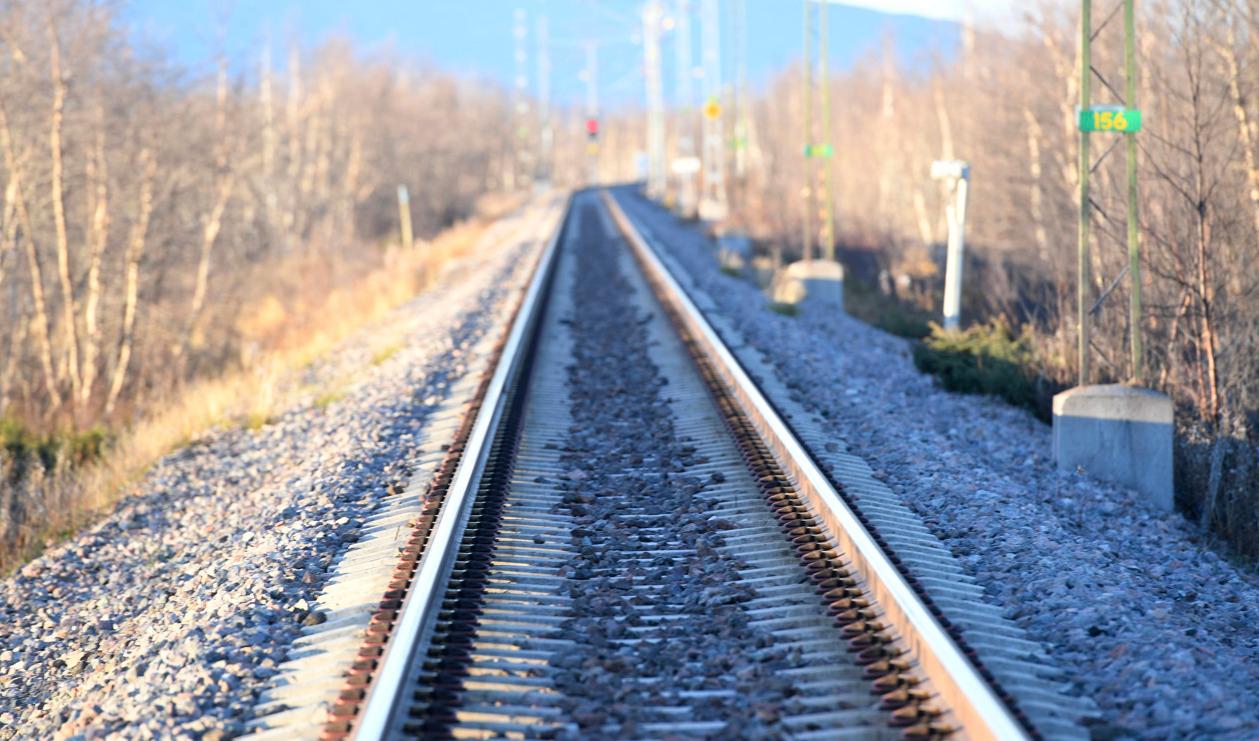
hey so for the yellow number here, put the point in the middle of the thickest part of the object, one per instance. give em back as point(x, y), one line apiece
point(1121, 122)
point(1108, 120)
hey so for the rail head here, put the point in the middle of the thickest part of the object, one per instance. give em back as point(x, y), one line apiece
point(971, 699)
point(424, 595)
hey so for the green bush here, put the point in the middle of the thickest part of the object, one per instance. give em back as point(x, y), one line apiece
point(987, 359)
point(885, 312)
point(23, 447)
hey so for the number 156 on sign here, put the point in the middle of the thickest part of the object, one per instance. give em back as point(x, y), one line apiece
point(1118, 120)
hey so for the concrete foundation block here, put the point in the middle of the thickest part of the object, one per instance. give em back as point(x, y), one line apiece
point(811, 284)
point(1118, 433)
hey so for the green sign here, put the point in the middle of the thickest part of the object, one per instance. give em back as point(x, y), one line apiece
point(818, 150)
point(1110, 118)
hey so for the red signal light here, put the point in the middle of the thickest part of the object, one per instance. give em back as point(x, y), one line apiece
point(592, 126)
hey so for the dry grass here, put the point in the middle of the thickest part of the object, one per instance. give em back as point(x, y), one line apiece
point(306, 316)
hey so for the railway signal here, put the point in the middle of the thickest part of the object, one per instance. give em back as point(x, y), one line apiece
point(591, 77)
point(592, 137)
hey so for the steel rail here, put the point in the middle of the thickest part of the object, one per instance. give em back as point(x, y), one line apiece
point(423, 600)
point(973, 702)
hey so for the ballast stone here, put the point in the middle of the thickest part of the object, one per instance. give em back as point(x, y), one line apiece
point(1119, 433)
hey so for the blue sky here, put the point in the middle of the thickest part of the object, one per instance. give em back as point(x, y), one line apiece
point(474, 37)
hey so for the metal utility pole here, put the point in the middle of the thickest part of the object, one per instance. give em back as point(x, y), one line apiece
point(824, 82)
point(806, 98)
point(1134, 237)
point(817, 149)
point(652, 17)
point(546, 132)
point(521, 101)
point(592, 111)
point(713, 203)
point(1086, 160)
point(742, 101)
point(686, 113)
point(1120, 119)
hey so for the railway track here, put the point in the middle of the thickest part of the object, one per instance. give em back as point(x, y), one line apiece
point(625, 539)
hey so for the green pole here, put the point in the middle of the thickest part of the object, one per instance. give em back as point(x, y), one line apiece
point(808, 132)
point(1134, 244)
point(828, 208)
point(1086, 73)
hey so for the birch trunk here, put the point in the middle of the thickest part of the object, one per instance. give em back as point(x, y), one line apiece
point(1245, 127)
point(99, 231)
point(926, 231)
point(57, 194)
point(1206, 318)
point(294, 121)
point(212, 222)
point(349, 198)
point(210, 229)
point(131, 291)
point(17, 334)
point(10, 223)
point(267, 101)
point(1034, 172)
point(43, 334)
point(1065, 70)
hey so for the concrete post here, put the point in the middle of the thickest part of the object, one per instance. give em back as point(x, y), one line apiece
point(958, 175)
point(404, 216)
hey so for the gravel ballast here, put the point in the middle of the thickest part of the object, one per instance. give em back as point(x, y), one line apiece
point(1145, 618)
point(630, 577)
point(168, 617)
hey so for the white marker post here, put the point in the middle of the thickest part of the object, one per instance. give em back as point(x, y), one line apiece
point(957, 173)
point(404, 217)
